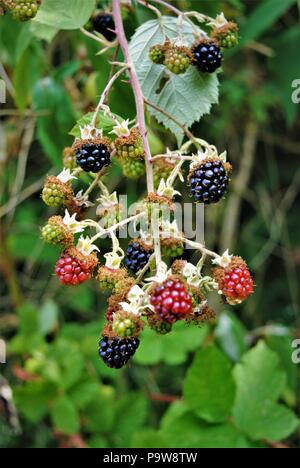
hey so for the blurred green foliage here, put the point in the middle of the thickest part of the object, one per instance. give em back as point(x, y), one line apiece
point(229, 384)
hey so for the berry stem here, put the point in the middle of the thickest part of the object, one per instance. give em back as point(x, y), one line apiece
point(198, 246)
point(105, 93)
point(115, 226)
point(139, 101)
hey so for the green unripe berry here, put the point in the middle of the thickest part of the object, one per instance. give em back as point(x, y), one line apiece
point(133, 169)
point(25, 10)
point(123, 327)
point(229, 41)
point(53, 195)
point(157, 54)
point(53, 234)
point(177, 61)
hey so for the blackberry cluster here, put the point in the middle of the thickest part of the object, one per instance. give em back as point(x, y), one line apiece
point(137, 257)
point(209, 182)
point(116, 352)
point(207, 57)
point(105, 25)
point(93, 157)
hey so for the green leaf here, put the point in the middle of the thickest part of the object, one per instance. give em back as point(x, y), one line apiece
point(262, 18)
point(83, 393)
point(231, 336)
point(209, 386)
point(260, 382)
point(28, 320)
point(131, 412)
point(48, 317)
point(149, 438)
point(65, 14)
point(190, 432)
point(43, 31)
point(51, 99)
point(99, 413)
point(187, 97)
point(164, 348)
point(32, 400)
point(282, 345)
point(64, 416)
point(103, 121)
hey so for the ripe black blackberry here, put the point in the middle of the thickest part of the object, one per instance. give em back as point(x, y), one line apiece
point(209, 181)
point(207, 57)
point(137, 256)
point(116, 352)
point(104, 24)
point(92, 157)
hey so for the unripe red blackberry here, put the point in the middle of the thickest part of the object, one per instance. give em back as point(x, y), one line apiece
point(56, 232)
point(157, 54)
point(207, 56)
point(130, 146)
point(25, 10)
point(116, 352)
point(133, 169)
point(177, 59)
point(209, 180)
point(235, 281)
point(104, 24)
point(74, 268)
point(171, 300)
point(92, 155)
point(56, 193)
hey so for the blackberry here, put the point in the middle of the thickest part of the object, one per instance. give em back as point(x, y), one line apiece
point(207, 57)
point(116, 352)
point(105, 25)
point(93, 157)
point(209, 181)
point(137, 256)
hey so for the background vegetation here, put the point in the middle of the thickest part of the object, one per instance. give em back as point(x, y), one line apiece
point(230, 384)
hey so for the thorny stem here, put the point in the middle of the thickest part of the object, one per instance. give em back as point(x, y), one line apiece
point(105, 94)
point(113, 228)
point(144, 270)
point(146, 4)
point(139, 101)
point(198, 246)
